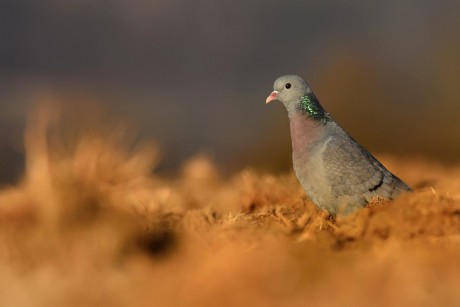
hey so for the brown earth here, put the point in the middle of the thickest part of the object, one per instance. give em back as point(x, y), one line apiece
point(91, 225)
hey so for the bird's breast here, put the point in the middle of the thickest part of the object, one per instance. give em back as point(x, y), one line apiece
point(305, 132)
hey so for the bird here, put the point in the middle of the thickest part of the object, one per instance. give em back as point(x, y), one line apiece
point(337, 173)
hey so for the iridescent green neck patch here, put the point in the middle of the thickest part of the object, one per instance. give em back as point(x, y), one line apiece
point(310, 105)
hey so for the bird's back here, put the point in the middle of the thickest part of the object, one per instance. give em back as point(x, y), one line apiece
point(339, 175)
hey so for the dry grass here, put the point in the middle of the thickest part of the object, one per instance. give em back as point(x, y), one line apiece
point(91, 225)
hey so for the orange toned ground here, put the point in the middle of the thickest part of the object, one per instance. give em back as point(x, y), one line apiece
point(91, 224)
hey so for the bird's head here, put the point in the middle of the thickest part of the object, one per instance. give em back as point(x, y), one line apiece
point(297, 97)
point(288, 90)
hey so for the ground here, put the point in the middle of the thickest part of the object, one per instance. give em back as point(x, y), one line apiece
point(92, 224)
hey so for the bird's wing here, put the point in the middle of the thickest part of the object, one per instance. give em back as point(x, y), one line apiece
point(351, 170)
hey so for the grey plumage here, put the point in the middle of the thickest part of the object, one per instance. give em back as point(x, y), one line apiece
point(337, 173)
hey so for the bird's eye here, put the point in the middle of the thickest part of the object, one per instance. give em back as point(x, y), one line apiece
point(288, 85)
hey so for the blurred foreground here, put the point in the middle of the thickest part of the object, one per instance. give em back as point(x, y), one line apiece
point(90, 224)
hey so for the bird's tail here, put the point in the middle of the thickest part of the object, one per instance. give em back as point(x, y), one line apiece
point(399, 187)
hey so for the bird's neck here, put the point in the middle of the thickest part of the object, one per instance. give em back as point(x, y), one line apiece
point(308, 121)
point(309, 106)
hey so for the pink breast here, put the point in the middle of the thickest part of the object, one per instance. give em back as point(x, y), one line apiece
point(304, 132)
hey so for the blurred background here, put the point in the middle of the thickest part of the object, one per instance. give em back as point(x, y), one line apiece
point(194, 75)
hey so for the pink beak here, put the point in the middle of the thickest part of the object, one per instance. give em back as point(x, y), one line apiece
point(273, 96)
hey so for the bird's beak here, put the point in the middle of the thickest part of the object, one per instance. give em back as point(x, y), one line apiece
point(273, 96)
